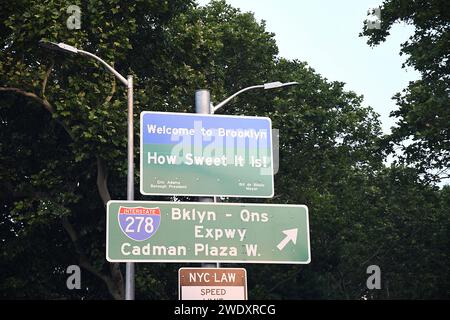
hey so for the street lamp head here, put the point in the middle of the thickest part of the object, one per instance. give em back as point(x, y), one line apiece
point(67, 48)
point(278, 84)
point(57, 46)
point(265, 86)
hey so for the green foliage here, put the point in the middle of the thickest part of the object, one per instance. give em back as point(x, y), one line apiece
point(423, 114)
point(63, 130)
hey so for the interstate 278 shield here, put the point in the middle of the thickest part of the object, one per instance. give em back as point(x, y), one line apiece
point(139, 223)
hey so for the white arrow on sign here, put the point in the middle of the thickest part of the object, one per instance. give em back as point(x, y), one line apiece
point(291, 235)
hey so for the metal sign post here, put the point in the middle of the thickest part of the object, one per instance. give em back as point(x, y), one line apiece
point(129, 270)
point(203, 106)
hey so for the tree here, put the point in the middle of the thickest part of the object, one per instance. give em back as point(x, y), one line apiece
point(329, 142)
point(361, 212)
point(63, 149)
point(63, 152)
point(423, 114)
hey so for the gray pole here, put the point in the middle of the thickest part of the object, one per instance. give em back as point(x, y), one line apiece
point(202, 101)
point(129, 273)
point(203, 105)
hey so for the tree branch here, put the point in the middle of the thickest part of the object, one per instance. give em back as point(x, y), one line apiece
point(117, 278)
point(113, 90)
point(9, 192)
point(83, 261)
point(44, 102)
point(31, 95)
point(288, 277)
point(44, 82)
point(115, 283)
point(102, 181)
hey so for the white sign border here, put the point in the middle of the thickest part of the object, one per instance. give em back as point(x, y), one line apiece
point(199, 194)
point(206, 260)
point(200, 269)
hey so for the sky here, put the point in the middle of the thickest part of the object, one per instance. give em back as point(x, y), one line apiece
point(324, 33)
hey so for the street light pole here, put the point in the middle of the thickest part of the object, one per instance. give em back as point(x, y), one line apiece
point(203, 106)
point(129, 267)
point(129, 272)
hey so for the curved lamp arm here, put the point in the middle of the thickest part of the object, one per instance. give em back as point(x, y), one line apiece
point(224, 102)
point(68, 48)
point(266, 86)
point(111, 69)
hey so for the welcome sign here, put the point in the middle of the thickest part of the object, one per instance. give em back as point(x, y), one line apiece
point(205, 155)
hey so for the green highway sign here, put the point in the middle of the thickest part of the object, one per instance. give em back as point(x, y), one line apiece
point(205, 155)
point(150, 231)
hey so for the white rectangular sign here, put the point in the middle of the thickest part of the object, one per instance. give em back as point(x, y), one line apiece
point(212, 284)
